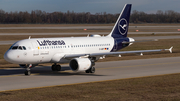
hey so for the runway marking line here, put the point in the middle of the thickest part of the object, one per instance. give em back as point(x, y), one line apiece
point(88, 82)
point(102, 68)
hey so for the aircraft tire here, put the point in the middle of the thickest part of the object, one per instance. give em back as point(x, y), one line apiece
point(27, 72)
point(58, 68)
point(53, 67)
point(92, 70)
point(87, 71)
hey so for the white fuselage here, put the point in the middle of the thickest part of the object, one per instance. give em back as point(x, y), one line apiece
point(45, 50)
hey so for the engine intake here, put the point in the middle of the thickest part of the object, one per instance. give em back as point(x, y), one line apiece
point(80, 64)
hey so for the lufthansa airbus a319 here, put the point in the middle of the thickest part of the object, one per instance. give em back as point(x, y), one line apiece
point(80, 52)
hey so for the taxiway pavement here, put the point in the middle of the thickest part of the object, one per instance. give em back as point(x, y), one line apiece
point(11, 79)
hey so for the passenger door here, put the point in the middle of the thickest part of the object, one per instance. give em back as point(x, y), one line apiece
point(35, 48)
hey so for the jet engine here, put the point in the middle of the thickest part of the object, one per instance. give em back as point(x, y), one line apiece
point(80, 64)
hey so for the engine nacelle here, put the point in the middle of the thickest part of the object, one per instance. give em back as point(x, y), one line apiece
point(80, 64)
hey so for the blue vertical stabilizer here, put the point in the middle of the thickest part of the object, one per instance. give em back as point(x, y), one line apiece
point(120, 29)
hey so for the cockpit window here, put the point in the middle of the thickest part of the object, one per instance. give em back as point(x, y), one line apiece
point(24, 47)
point(18, 47)
point(14, 47)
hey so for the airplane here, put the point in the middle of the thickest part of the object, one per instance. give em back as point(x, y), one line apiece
point(80, 52)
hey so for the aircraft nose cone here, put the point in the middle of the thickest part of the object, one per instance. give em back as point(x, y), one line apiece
point(8, 56)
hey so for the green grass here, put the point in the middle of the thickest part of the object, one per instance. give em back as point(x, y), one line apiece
point(159, 88)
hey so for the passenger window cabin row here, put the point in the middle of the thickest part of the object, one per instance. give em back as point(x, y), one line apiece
point(74, 46)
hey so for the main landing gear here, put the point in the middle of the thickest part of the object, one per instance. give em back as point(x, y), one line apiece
point(91, 70)
point(56, 67)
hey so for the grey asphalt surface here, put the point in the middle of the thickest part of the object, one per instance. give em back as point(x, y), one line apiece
point(11, 79)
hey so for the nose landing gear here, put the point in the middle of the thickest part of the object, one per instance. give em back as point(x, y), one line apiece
point(28, 72)
point(27, 66)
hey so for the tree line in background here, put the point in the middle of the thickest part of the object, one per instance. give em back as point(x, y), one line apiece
point(42, 17)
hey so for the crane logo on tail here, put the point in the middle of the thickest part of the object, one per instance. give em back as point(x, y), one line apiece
point(122, 26)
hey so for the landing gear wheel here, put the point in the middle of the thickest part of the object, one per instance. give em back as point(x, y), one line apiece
point(87, 71)
point(58, 68)
point(92, 70)
point(53, 67)
point(27, 72)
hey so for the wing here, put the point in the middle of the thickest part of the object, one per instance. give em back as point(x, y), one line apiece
point(115, 53)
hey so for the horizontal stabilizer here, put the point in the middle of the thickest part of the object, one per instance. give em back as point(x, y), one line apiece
point(139, 41)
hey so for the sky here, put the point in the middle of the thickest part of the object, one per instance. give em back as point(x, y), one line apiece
point(92, 6)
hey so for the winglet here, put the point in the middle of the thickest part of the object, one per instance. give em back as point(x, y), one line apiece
point(170, 49)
